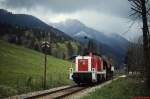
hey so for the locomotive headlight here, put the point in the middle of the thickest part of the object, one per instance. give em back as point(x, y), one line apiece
point(94, 76)
point(71, 70)
point(71, 73)
point(93, 69)
point(112, 68)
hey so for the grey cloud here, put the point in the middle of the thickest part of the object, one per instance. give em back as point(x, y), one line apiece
point(105, 16)
point(116, 7)
point(19, 3)
point(54, 5)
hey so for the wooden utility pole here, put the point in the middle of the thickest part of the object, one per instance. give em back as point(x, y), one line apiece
point(45, 46)
point(45, 70)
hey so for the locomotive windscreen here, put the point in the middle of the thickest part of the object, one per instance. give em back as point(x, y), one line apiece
point(83, 65)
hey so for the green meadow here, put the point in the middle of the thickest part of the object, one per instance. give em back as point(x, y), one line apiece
point(21, 70)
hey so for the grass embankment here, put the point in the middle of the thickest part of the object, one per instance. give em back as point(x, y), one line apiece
point(21, 70)
point(123, 88)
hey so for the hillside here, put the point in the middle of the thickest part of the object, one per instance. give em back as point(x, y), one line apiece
point(21, 70)
point(29, 21)
point(30, 32)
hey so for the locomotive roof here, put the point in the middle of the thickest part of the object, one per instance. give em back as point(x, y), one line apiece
point(87, 53)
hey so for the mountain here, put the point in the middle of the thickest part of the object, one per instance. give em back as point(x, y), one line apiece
point(21, 20)
point(113, 44)
point(30, 32)
point(25, 20)
point(70, 27)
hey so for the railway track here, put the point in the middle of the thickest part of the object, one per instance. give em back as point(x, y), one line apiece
point(58, 94)
point(63, 92)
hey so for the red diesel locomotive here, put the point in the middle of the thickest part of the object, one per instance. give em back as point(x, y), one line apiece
point(91, 69)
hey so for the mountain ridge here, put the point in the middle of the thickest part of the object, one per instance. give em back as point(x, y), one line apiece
point(25, 20)
point(114, 44)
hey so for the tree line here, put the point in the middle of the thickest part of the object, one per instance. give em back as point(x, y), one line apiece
point(60, 46)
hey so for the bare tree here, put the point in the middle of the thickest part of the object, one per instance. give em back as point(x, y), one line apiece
point(140, 8)
point(134, 58)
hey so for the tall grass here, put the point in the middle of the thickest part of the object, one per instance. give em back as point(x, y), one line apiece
point(123, 88)
point(21, 70)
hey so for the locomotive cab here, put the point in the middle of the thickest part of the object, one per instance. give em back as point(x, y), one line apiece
point(89, 69)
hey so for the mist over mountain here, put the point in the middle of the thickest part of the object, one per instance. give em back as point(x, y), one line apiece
point(113, 44)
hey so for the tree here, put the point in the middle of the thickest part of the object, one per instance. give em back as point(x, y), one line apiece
point(141, 9)
point(70, 49)
point(80, 50)
point(134, 58)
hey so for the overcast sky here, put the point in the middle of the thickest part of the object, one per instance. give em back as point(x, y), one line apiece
point(109, 16)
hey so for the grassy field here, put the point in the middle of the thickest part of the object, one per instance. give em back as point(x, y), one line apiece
point(21, 70)
point(123, 88)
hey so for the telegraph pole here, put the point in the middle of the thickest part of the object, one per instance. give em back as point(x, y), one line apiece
point(45, 66)
point(45, 46)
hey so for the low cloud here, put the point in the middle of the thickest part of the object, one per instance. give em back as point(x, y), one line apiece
point(109, 16)
point(116, 7)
